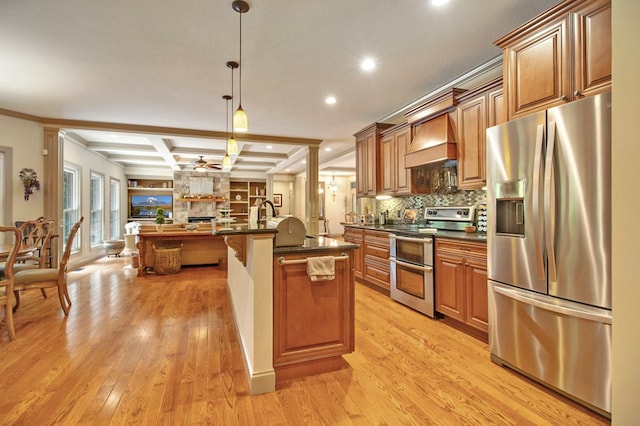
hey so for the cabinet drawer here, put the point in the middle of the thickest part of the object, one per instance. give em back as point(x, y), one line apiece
point(353, 234)
point(377, 251)
point(461, 248)
point(380, 238)
point(377, 272)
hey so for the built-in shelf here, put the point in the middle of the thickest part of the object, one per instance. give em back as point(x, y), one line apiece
point(205, 200)
point(147, 220)
point(245, 189)
point(149, 189)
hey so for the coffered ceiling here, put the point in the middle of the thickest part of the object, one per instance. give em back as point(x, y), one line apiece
point(155, 72)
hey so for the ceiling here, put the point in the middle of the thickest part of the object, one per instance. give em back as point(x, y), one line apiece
point(157, 69)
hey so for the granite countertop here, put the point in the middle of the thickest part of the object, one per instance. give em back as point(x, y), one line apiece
point(409, 229)
point(246, 229)
point(316, 244)
point(310, 243)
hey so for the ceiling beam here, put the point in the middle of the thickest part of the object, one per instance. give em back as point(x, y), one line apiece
point(172, 131)
point(163, 147)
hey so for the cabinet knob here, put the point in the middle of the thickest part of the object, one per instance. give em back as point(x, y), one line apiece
point(576, 93)
point(564, 97)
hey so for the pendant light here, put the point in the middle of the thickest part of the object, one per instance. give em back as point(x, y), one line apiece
point(333, 186)
point(240, 120)
point(226, 161)
point(232, 144)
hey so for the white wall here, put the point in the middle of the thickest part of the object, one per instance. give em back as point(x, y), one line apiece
point(251, 292)
point(89, 162)
point(285, 188)
point(335, 210)
point(25, 138)
point(626, 157)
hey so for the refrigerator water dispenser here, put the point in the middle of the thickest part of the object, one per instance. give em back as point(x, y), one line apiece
point(510, 208)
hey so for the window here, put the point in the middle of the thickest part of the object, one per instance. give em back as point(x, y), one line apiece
point(114, 206)
point(71, 203)
point(97, 209)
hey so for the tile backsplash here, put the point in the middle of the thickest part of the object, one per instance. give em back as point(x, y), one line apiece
point(395, 206)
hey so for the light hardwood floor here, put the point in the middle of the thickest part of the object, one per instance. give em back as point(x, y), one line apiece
point(163, 350)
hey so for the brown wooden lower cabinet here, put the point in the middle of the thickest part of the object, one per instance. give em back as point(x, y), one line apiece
point(461, 284)
point(376, 259)
point(313, 321)
point(356, 236)
point(371, 260)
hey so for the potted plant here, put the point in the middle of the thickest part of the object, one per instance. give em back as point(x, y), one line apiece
point(159, 219)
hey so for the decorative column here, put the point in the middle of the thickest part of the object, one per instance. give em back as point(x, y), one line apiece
point(312, 191)
point(53, 153)
point(269, 193)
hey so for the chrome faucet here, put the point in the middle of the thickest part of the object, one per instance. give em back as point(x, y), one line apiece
point(273, 208)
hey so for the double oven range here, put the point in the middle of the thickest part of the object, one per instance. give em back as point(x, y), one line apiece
point(412, 254)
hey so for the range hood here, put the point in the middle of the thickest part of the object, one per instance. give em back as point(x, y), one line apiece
point(433, 142)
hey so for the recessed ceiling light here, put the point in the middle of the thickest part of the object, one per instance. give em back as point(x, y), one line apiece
point(288, 170)
point(327, 149)
point(439, 2)
point(269, 147)
point(330, 100)
point(304, 161)
point(367, 64)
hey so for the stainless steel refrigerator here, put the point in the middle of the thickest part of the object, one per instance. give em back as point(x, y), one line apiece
point(549, 248)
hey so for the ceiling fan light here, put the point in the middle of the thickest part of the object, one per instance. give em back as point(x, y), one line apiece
point(232, 146)
point(226, 162)
point(200, 169)
point(240, 121)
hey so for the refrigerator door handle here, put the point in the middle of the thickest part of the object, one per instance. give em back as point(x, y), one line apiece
point(549, 201)
point(604, 318)
point(538, 224)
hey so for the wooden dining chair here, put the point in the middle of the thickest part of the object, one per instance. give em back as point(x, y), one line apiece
point(11, 235)
point(36, 237)
point(48, 277)
point(37, 234)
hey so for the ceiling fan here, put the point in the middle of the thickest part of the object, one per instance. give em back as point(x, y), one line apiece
point(201, 165)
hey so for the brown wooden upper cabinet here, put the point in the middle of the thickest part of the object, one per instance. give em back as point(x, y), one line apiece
point(394, 144)
point(368, 159)
point(559, 56)
point(477, 110)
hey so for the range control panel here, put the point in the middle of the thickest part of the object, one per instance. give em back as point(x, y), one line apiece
point(457, 214)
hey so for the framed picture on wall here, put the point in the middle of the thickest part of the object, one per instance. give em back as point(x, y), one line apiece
point(277, 200)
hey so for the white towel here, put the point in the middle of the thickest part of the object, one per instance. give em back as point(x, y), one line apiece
point(321, 268)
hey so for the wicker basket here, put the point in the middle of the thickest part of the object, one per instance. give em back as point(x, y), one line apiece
point(167, 260)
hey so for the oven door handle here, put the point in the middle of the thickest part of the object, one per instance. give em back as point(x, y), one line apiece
point(411, 265)
point(413, 240)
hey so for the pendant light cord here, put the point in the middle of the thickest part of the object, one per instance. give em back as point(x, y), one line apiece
point(231, 105)
point(240, 66)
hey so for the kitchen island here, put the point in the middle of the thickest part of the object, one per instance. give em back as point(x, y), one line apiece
point(198, 247)
point(288, 325)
